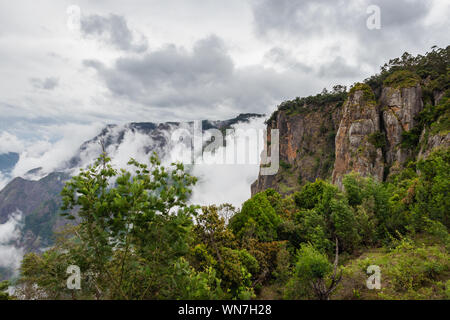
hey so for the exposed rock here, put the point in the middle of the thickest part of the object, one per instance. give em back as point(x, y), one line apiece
point(399, 107)
point(354, 152)
point(306, 147)
point(39, 202)
point(430, 142)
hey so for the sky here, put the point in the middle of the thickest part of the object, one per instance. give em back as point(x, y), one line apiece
point(67, 68)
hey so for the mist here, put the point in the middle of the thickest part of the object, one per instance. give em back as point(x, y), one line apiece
point(10, 232)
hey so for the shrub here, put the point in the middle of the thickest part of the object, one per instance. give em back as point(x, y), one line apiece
point(257, 219)
point(377, 139)
point(402, 79)
point(368, 94)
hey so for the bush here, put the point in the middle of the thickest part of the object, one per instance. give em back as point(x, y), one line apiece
point(257, 219)
point(311, 266)
point(377, 139)
point(368, 94)
point(402, 79)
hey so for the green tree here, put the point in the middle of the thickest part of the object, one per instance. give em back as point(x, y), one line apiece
point(3, 288)
point(133, 230)
point(257, 219)
point(314, 276)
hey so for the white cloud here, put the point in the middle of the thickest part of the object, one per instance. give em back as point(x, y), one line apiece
point(10, 143)
point(228, 183)
point(49, 155)
point(10, 231)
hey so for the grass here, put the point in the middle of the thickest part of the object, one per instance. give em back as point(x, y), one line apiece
point(413, 269)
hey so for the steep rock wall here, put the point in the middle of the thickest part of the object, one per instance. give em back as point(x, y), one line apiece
point(354, 151)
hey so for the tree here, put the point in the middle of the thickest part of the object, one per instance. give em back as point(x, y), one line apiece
point(134, 229)
point(314, 275)
point(3, 288)
point(215, 246)
point(257, 219)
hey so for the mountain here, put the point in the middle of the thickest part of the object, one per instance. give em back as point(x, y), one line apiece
point(39, 198)
point(39, 201)
point(375, 129)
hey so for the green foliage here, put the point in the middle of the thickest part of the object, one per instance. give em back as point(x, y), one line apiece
point(431, 67)
point(345, 224)
point(370, 200)
point(416, 265)
point(257, 219)
point(410, 139)
point(310, 194)
point(302, 105)
point(327, 215)
point(368, 94)
point(215, 247)
point(3, 288)
point(431, 193)
point(311, 266)
point(193, 285)
point(131, 233)
point(377, 139)
point(412, 269)
point(402, 79)
point(285, 165)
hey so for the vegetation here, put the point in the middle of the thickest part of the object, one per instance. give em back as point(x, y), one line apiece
point(3, 288)
point(402, 79)
point(432, 69)
point(368, 94)
point(137, 236)
point(138, 239)
point(377, 139)
point(301, 105)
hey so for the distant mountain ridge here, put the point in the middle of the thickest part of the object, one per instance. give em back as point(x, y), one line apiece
point(39, 200)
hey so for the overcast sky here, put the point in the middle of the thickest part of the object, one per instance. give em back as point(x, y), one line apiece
point(188, 59)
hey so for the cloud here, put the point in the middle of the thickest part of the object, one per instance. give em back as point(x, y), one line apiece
point(286, 59)
point(10, 143)
point(200, 80)
point(330, 30)
point(310, 18)
point(113, 30)
point(10, 232)
point(51, 155)
point(339, 68)
point(229, 183)
point(45, 84)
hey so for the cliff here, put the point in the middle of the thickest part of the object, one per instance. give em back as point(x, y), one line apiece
point(380, 125)
point(307, 147)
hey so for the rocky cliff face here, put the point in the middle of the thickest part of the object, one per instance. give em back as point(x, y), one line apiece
point(400, 107)
point(354, 150)
point(306, 146)
point(369, 135)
